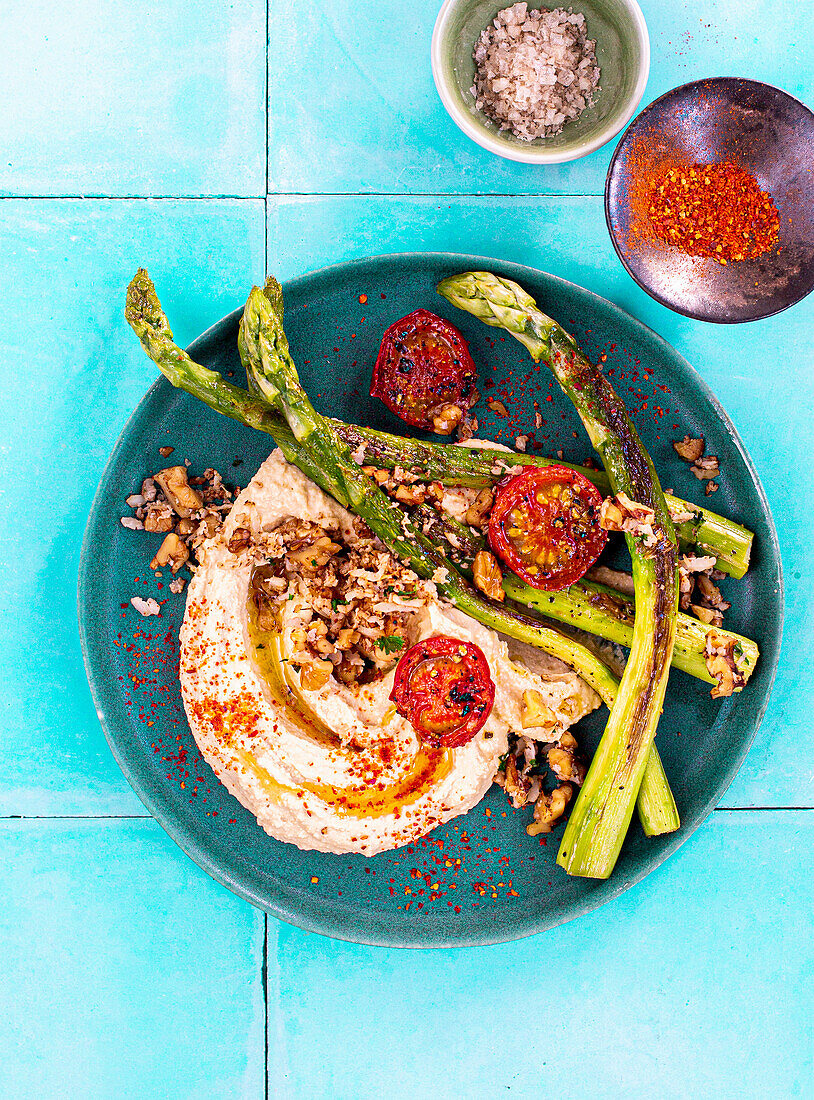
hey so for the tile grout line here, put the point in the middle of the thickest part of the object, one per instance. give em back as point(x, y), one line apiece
point(438, 194)
point(266, 230)
point(76, 817)
point(100, 197)
point(264, 965)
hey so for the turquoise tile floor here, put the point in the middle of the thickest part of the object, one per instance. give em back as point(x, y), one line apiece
point(143, 133)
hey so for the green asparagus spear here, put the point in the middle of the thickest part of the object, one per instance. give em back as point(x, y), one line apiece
point(600, 818)
point(594, 608)
point(609, 614)
point(274, 374)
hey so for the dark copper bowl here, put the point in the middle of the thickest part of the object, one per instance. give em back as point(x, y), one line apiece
point(762, 129)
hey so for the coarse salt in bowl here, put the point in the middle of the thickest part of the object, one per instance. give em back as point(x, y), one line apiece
point(622, 53)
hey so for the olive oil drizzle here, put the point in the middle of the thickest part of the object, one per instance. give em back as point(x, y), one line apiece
point(427, 767)
point(267, 652)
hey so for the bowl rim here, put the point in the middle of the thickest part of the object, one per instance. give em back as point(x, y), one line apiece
point(694, 315)
point(535, 154)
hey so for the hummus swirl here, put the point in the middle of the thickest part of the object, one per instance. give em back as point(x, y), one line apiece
point(334, 769)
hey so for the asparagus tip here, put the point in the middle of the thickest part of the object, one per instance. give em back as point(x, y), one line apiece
point(143, 310)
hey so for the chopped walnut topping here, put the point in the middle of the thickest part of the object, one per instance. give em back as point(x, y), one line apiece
point(156, 513)
point(165, 452)
point(710, 488)
point(710, 592)
point(159, 517)
point(316, 554)
point(538, 419)
point(445, 418)
point(240, 540)
point(549, 808)
point(516, 785)
point(177, 585)
point(411, 495)
point(467, 428)
point(497, 407)
point(564, 762)
point(685, 589)
point(487, 575)
point(171, 552)
point(689, 449)
point(146, 607)
point(695, 563)
point(180, 494)
point(679, 514)
point(620, 513)
point(708, 615)
point(148, 489)
point(534, 712)
point(315, 674)
point(477, 514)
point(706, 468)
point(721, 655)
point(697, 591)
point(355, 605)
point(521, 442)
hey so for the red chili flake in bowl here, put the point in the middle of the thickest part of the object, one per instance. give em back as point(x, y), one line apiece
point(713, 210)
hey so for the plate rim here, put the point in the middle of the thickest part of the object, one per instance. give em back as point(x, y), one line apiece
point(333, 923)
point(693, 315)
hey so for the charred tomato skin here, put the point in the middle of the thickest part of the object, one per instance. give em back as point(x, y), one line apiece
point(544, 525)
point(423, 362)
point(444, 688)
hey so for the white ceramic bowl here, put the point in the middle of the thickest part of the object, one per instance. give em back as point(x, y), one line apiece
point(622, 50)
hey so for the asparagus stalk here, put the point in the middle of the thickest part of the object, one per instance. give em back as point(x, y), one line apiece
point(609, 614)
point(267, 359)
point(144, 313)
point(145, 316)
point(600, 818)
point(726, 540)
point(269, 362)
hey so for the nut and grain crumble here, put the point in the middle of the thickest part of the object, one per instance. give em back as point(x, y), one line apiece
point(356, 604)
point(525, 768)
point(186, 510)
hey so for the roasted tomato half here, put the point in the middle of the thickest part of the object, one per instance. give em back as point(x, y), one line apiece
point(424, 364)
point(544, 524)
point(443, 687)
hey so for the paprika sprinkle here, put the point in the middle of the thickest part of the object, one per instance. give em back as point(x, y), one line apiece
point(714, 210)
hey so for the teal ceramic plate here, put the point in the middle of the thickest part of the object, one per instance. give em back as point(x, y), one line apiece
point(480, 879)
